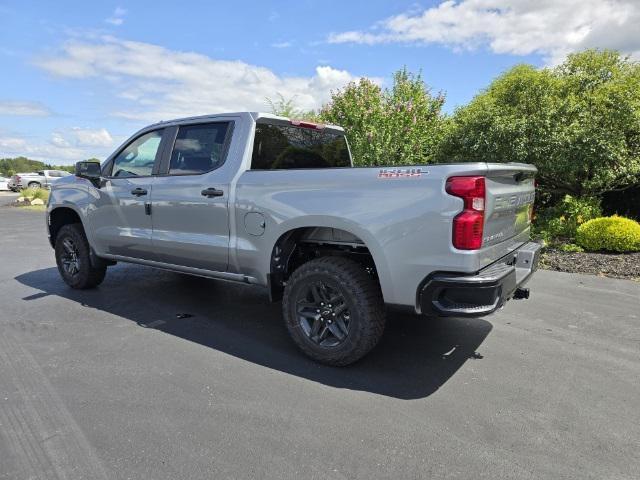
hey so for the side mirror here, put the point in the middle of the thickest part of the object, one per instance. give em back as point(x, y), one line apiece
point(89, 170)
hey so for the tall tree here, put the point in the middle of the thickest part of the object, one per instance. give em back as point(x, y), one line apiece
point(579, 123)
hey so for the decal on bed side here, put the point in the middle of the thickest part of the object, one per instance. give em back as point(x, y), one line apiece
point(401, 172)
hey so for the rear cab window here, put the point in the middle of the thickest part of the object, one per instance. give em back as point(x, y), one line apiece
point(199, 148)
point(281, 145)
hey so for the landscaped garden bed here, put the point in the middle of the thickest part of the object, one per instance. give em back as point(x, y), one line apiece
point(32, 199)
point(619, 265)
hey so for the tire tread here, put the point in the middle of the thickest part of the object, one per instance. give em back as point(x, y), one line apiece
point(93, 275)
point(366, 295)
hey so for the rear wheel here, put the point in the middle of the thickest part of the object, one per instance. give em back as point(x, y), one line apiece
point(74, 260)
point(333, 310)
point(34, 185)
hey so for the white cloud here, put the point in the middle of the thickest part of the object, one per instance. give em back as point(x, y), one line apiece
point(117, 18)
point(157, 83)
point(64, 145)
point(12, 144)
point(520, 27)
point(58, 140)
point(54, 152)
point(29, 109)
point(281, 45)
point(86, 137)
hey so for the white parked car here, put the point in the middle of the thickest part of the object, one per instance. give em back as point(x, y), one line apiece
point(4, 183)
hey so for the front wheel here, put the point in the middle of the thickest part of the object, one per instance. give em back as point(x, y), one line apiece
point(333, 310)
point(74, 260)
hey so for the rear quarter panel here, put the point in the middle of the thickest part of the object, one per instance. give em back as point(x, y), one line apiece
point(404, 221)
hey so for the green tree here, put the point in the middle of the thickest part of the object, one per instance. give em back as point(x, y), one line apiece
point(579, 123)
point(397, 126)
point(284, 107)
point(11, 166)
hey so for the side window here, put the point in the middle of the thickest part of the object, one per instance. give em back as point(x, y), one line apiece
point(198, 148)
point(138, 157)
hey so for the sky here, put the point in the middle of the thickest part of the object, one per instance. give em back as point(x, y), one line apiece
point(77, 78)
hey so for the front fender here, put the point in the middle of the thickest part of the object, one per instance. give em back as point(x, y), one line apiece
point(75, 195)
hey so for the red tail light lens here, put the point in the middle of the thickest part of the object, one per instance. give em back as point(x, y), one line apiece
point(303, 124)
point(469, 224)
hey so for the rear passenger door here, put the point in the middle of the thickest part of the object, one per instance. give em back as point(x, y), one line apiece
point(190, 198)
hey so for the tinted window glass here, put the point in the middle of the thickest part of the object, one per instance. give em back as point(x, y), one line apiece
point(138, 157)
point(283, 146)
point(198, 148)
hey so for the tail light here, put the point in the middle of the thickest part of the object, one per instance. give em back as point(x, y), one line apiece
point(469, 224)
point(532, 208)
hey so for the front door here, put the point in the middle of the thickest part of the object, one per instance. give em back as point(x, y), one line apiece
point(190, 199)
point(121, 222)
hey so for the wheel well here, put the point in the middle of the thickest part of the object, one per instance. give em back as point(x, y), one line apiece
point(58, 218)
point(300, 245)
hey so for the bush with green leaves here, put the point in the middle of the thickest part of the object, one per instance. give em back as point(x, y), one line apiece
point(611, 234)
point(571, 248)
point(559, 223)
point(579, 123)
point(31, 193)
point(397, 126)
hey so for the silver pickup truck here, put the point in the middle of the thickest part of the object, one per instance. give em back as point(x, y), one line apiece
point(39, 179)
point(268, 201)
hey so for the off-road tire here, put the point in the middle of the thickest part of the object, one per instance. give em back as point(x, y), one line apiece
point(361, 293)
point(87, 275)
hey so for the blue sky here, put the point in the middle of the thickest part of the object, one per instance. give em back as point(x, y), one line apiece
point(79, 77)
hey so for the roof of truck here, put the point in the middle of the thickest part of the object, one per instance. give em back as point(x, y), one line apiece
point(254, 115)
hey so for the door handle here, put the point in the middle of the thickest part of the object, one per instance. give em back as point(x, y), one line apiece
point(212, 192)
point(138, 191)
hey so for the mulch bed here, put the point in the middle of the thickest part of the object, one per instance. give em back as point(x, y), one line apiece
point(619, 265)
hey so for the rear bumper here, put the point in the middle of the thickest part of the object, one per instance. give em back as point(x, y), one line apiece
point(462, 295)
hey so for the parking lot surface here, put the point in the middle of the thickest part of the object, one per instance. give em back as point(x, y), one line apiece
point(163, 376)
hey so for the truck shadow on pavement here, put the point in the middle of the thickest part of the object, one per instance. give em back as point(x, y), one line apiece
point(416, 356)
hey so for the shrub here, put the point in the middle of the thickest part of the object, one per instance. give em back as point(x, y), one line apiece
point(32, 193)
point(571, 248)
point(560, 222)
point(400, 125)
point(613, 234)
point(577, 122)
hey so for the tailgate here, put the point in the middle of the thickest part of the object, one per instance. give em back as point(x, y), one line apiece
point(510, 193)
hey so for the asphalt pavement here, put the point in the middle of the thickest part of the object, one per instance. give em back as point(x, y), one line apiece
point(156, 375)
